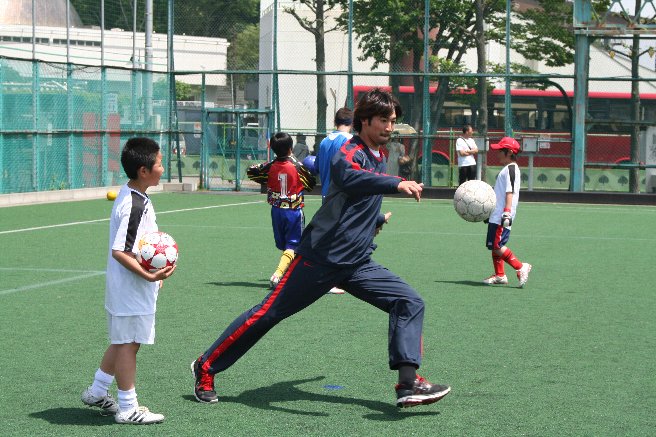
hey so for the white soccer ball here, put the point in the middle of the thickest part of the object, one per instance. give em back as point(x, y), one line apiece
point(157, 250)
point(474, 201)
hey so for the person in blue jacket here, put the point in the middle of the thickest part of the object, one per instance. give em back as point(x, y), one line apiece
point(331, 144)
point(335, 250)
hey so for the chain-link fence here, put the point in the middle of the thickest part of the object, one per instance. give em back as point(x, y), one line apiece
point(211, 81)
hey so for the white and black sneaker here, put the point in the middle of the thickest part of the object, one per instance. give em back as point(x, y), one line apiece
point(421, 392)
point(522, 274)
point(494, 279)
point(106, 403)
point(138, 416)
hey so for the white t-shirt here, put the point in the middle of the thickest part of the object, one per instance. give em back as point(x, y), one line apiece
point(465, 144)
point(127, 294)
point(508, 181)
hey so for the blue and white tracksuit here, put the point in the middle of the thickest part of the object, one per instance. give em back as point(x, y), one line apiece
point(335, 251)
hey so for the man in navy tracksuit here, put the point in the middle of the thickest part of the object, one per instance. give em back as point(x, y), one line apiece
point(335, 250)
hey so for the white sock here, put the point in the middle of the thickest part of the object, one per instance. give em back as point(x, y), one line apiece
point(101, 383)
point(127, 400)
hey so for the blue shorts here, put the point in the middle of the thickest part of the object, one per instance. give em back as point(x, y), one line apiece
point(497, 236)
point(288, 226)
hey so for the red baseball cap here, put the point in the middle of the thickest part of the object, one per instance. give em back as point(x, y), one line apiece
point(506, 143)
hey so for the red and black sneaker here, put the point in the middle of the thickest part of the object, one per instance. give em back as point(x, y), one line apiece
point(421, 392)
point(204, 386)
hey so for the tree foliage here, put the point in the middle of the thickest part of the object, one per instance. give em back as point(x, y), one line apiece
point(391, 30)
point(315, 24)
point(119, 14)
point(198, 18)
point(244, 53)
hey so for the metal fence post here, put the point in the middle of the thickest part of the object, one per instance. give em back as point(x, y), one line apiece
point(582, 14)
point(426, 139)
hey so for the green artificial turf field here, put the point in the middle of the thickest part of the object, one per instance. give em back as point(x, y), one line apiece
point(570, 354)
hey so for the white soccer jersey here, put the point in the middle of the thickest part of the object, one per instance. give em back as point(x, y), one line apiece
point(465, 145)
point(126, 293)
point(508, 181)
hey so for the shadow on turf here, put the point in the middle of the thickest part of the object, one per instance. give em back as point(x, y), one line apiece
point(264, 397)
point(470, 283)
point(264, 285)
point(74, 416)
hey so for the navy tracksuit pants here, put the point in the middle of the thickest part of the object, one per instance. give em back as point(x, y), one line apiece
point(304, 283)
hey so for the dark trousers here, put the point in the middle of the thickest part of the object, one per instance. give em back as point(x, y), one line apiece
point(303, 284)
point(466, 173)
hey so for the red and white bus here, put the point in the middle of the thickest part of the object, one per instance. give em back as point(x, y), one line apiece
point(544, 114)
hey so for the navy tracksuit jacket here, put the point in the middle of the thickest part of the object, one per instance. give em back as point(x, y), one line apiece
point(335, 251)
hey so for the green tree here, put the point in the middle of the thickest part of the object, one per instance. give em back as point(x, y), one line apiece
point(216, 18)
point(119, 14)
point(199, 18)
point(316, 25)
point(183, 91)
point(561, 178)
point(389, 30)
point(244, 53)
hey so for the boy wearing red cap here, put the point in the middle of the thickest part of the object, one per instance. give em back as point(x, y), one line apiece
point(506, 189)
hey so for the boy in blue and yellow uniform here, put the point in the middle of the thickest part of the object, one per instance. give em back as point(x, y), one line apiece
point(286, 179)
point(335, 250)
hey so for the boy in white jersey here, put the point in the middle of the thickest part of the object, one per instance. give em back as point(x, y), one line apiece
point(131, 292)
point(506, 189)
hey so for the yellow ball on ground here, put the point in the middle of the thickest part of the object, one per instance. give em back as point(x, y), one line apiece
point(111, 195)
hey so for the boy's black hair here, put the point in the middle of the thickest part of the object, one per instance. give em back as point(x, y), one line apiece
point(281, 144)
point(375, 102)
point(508, 152)
point(466, 127)
point(344, 117)
point(138, 152)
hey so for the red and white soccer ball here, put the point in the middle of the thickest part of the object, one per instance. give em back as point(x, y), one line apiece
point(157, 250)
point(474, 201)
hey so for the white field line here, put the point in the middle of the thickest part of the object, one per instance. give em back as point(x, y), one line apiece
point(90, 274)
point(85, 274)
point(61, 225)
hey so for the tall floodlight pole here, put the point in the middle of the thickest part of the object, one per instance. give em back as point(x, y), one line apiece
point(148, 91)
point(349, 79)
point(507, 105)
point(103, 98)
point(428, 156)
point(133, 106)
point(173, 119)
point(35, 106)
point(275, 99)
point(73, 183)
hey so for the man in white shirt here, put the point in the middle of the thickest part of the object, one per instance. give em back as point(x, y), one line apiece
point(467, 150)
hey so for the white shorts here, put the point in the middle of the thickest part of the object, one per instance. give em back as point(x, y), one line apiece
point(131, 329)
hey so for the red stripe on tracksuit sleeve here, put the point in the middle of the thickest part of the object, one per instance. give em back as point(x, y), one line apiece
point(349, 154)
point(251, 320)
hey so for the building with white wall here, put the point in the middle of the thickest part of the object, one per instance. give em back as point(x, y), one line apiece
point(296, 50)
point(111, 48)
